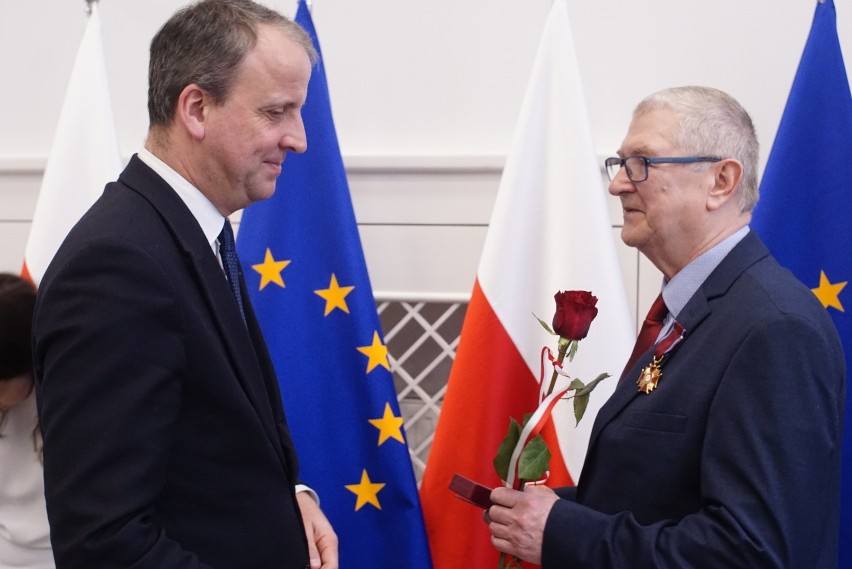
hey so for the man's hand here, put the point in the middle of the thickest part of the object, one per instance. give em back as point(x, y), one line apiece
point(517, 519)
point(322, 541)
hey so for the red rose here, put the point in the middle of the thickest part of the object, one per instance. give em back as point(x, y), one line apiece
point(575, 310)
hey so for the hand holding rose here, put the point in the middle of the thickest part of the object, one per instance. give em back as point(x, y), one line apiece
point(517, 519)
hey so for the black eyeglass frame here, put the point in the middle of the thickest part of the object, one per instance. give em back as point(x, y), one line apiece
point(621, 162)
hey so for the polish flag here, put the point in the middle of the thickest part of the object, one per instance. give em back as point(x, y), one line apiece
point(84, 156)
point(549, 231)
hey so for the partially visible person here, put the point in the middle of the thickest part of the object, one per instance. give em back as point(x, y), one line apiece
point(722, 450)
point(165, 439)
point(24, 532)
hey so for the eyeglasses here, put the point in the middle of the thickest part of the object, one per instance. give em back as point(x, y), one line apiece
point(637, 166)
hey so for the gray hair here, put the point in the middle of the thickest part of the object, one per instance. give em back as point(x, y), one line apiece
point(204, 43)
point(711, 123)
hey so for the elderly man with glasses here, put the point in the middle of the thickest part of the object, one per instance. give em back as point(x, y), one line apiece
point(721, 444)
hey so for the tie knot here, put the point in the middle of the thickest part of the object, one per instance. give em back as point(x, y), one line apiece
point(658, 310)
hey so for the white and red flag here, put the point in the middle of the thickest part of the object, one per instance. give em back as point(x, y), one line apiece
point(84, 155)
point(550, 231)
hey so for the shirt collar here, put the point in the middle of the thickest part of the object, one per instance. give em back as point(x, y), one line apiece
point(688, 280)
point(202, 209)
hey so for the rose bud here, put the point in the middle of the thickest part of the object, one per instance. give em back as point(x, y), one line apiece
point(575, 310)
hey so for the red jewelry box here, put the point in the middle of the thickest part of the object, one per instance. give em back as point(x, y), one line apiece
point(470, 491)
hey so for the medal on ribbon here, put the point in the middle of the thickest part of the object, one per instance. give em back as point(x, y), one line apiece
point(650, 375)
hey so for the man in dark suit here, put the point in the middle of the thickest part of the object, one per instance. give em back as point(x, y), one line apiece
point(721, 444)
point(165, 442)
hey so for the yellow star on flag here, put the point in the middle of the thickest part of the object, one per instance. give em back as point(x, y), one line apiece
point(270, 270)
point(367, 491)
point(828, 292)
point(377, 352)
point(389, 426)
point(335, 296)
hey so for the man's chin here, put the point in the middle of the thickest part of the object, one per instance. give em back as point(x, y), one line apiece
point(262, 192)
point(630, 236)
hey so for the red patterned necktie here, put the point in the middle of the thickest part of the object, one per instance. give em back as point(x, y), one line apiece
point(648, 334)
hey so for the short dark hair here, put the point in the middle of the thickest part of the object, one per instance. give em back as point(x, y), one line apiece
point(17, 303)
point(204, 43)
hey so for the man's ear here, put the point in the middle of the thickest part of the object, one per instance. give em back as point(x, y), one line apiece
point(726, 180)
point(191, 110)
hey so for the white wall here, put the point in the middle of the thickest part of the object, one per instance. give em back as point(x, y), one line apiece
point(425, 95)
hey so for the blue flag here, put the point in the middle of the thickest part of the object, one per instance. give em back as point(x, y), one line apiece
point(805, 212)
point(305, 271)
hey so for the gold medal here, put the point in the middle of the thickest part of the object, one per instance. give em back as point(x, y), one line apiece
point(650, 376)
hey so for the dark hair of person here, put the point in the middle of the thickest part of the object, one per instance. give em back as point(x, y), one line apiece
point(17, 303)
point(204, 43)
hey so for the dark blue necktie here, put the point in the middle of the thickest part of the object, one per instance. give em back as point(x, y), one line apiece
point(230, 263)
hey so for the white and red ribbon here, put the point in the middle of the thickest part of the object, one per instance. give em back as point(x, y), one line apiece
point(539, 418)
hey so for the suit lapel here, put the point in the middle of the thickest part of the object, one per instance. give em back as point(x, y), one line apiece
point(746, 253)
point(214, 289)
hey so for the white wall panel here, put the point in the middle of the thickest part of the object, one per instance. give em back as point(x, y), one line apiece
point(628, 260)
point(432, 260)
point(13, 236)
point(460, 195)
point(18, 191)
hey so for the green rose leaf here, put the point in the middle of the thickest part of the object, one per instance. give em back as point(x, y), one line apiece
point(544, 325)
point(580, 404)
point(534, 460)
point(572, 349)
point(504, 452)
point(597, 380)
point(582, 394)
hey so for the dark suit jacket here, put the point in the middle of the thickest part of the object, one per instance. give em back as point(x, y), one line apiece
point(165, 443)
point(734, 460)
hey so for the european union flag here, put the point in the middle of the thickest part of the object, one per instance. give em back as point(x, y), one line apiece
point(305, 270)
point(805, 212)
